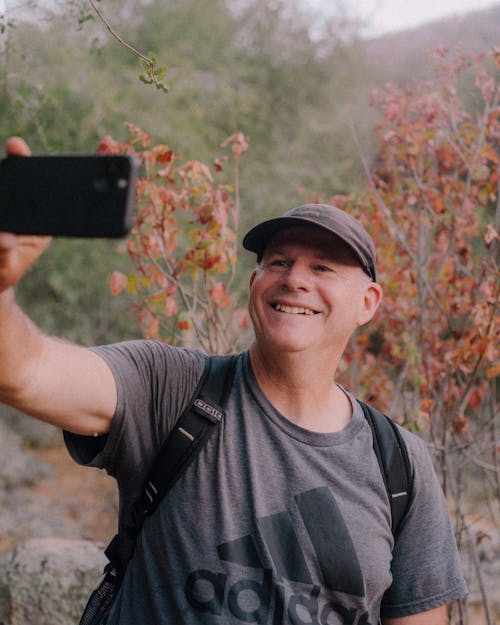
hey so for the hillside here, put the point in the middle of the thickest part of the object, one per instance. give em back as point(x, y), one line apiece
point(404, 55)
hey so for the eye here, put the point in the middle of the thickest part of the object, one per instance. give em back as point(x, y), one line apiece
point(322, 268)
point(277, 263)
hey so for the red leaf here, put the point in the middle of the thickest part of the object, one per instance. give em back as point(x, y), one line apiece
point(109, 146)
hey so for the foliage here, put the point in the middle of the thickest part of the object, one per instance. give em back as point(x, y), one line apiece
point(433, 195)
point(183, 246)
point(433, 207)
point(152, 75)
point(74, 303)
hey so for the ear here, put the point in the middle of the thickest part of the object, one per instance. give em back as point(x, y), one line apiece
point(372, 297)
point(252, 277)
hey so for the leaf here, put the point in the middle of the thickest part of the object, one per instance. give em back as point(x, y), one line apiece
point(118, 282)
point(493, 371)
point(132, 284)
point(161, 72)
point(490, 235)
point(218, 164)
point(460, 425)
point(219, 294)
point(109, 146)
point(166, 156)
point(475, 399)
point(171, 307)
point(184, 322)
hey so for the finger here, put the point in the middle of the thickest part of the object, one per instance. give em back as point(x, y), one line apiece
point(17, 146)
point(36, 244)
point(7, 241)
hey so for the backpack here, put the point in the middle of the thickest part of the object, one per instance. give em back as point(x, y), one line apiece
point(192, 430)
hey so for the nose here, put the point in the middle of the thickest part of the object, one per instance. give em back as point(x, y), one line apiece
point(296, 277)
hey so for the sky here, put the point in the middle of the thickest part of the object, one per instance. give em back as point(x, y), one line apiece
point(387, 15)
point(390, 15)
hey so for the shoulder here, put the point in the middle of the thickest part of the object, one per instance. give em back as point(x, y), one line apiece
point(414, 448)
point(146, 355)
point(417, 448)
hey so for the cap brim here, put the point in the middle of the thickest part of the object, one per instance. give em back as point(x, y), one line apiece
point(257, 238)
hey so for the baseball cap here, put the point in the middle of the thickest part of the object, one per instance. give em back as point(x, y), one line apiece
point(324, 216)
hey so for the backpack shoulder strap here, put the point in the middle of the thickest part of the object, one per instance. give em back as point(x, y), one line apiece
point(204, 412)
point(392, 456)
point(199, 420)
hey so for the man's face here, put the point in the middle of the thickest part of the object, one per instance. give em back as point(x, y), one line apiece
point(309, 292)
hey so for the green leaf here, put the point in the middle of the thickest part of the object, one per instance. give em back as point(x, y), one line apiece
point(132, 284)
point(161, 72)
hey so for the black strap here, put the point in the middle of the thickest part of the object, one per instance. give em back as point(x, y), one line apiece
point(198, 421)
point(392, 456)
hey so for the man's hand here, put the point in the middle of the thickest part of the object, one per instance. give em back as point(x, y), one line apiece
point(50, 379)
point(18, 253)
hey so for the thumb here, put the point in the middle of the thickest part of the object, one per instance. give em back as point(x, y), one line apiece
point(17, 146)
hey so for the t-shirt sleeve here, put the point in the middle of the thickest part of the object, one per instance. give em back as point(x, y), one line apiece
point(154, 383)
point(426, 568)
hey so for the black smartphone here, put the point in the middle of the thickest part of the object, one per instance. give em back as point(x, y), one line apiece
point(74, 195)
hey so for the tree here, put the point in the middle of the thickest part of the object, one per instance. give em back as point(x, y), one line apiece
point(433, 207)
point(183, 246)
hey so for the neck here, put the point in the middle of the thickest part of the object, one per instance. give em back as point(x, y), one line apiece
point(302, 388)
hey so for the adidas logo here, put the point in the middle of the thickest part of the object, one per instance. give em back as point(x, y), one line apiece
point(274, 548)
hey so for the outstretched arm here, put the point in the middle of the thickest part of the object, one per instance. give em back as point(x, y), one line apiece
point(53, 380)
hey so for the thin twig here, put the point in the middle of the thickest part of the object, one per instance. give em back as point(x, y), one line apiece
point(117, 36)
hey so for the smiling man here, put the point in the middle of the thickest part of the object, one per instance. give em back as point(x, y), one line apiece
point(283, 518)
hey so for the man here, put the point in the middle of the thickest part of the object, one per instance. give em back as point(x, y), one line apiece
point(283, 518)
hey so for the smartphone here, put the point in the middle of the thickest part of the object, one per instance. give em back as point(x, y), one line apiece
point(74, 195)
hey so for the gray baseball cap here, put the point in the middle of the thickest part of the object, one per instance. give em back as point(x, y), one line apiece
point(324, 216)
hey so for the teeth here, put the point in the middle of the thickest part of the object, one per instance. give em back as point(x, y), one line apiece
point(294, 310)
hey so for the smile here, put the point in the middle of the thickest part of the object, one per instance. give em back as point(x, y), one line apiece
point(294, 310)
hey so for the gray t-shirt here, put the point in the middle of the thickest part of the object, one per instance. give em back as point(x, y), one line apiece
point(272, 523)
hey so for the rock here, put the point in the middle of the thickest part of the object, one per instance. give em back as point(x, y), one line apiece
point(33, 432)
point(47, 581)
point(24, 515)
point(18, 468)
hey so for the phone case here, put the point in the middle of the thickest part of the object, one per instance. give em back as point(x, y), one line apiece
point(89, 195)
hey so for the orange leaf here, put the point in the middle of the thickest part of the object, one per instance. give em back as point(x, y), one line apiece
point(493, 372)
point(219, 295)
point(118, 282)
